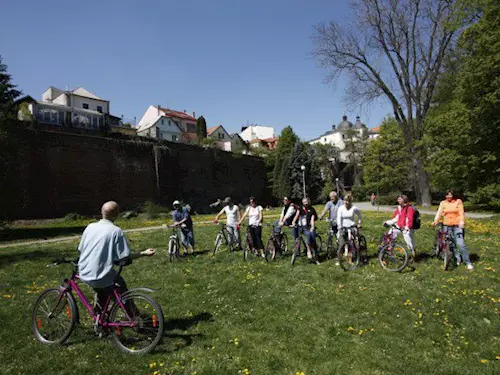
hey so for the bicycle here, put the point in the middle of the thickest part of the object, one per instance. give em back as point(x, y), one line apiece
point(248, 247)
point(332, 243)
point(392, 256)
point(278, 242)
point(300, 244)
point(132, 331)
point(349, 256)
point(445, 246)
point(224, 238)
point(174, 243)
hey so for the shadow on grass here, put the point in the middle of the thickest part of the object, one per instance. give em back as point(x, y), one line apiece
point(16, 234)
point(186, 323)
point(49, 255)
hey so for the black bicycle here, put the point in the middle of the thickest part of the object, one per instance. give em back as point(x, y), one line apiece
point(248, 247)
point(277, 243)
point(332, 243)
point(224, 238)
point(299, 247)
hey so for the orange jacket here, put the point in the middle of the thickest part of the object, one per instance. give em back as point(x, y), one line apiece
point(453, 212)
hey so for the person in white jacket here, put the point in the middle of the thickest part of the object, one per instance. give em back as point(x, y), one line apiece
point(346, 218)
point(287, 214)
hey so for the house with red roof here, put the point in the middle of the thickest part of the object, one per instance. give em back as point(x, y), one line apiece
point(168, 124)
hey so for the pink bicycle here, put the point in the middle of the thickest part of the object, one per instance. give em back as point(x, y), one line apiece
point(133, 319)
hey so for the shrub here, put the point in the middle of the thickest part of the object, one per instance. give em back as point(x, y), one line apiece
point(388, 199)
point(360, 193)
point(73, 216)
point(153, 210)
point(488, 195)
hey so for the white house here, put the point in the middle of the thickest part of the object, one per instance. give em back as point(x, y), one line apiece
point(224, 140)
point(164, 123)
point(249, 133)
point(78, 108)
point(337, 136)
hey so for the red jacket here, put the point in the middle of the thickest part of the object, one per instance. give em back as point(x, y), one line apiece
point(405, 216)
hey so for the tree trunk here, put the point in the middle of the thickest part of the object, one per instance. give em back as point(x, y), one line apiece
point(422, 186)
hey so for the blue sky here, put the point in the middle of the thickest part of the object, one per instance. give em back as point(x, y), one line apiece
point(231, 61)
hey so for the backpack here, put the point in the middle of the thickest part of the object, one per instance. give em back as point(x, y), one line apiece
point(416, 218)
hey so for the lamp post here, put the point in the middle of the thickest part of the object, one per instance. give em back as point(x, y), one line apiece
point(303, 169)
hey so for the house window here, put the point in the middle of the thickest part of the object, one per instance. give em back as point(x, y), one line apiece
point(221, 135)
point(62, 117)
point(324, 139)
point(94, 122)
point(85, 106)
point(162, 121)
point(174, 138)
point(99, 109)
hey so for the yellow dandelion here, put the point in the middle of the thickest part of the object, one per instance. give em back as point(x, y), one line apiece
point(484, 361)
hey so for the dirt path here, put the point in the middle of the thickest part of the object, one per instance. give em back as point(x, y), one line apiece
point(366, 206)
point(74, 238)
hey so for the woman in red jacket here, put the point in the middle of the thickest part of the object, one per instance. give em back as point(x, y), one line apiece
point(403, 218)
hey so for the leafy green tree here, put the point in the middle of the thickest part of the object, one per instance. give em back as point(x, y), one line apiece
point(279, 178)
point(201, 128)
point(8, 95)
point(386, 163)
point(327, 157)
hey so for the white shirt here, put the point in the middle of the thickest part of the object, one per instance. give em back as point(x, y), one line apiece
point(231, 214)
point(253, 215)
point(345, 217)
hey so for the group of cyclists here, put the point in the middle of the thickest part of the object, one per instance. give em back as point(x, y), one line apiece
point(341, 215)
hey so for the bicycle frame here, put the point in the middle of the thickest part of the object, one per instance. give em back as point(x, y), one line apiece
point(71, 285)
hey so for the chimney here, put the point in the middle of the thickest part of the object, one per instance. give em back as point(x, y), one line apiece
point(194, 114)
point(158, 108)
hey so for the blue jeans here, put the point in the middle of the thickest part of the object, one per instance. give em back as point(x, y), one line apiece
point(234, 234)
point(458, 234)
point(310, 236)
point(187, 237)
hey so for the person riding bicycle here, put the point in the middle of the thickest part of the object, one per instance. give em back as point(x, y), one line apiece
point(345, 219)
point(182, 219)
point(254, 213)
point(332, 207)
point(306, 217)
point(102, 245)
point(403, 218)
point(232, 212)
point(452, 211)
point(287, 214)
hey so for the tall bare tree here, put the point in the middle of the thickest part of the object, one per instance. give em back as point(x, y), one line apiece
point(394, 50)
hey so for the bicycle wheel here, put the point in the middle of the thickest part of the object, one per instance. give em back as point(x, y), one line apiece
point(218, 243)
point(393, 258)
point(331, 246)
point(319, 243)
point(284, 244)
point(348, 257)
point(146, 329)
point(436, 251)
point(172, 249)
point(447, 254)
point(270, 251)
point(53, 319)
point(246, 249)
point(296, 250)
point(363, 248)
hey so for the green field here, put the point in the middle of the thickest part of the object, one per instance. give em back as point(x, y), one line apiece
point(227, 316)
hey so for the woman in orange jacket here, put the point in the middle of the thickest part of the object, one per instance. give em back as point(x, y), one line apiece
point(452, 211)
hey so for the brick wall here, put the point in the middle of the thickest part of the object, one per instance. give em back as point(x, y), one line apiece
point(51, 174)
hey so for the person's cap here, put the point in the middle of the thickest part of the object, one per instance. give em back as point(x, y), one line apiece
point(227, 200)
point(176, 203)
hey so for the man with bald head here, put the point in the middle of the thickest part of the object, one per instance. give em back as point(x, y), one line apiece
point(102, 244)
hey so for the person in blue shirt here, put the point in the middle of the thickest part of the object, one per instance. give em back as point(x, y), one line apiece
point(182, 219)
point(332, 207)
point(101, 246)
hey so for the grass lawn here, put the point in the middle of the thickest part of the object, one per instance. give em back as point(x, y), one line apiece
point(227, 316)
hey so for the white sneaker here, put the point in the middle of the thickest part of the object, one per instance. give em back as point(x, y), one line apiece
point(470, 266)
